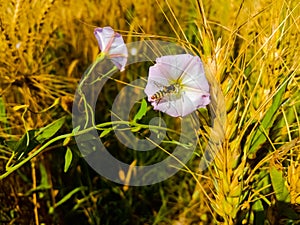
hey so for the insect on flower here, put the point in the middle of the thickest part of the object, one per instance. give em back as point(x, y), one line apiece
point(112, 44)
point(177, 85)
point(167, 90)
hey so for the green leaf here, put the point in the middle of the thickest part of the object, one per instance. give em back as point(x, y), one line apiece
point(142, 111)
point(282, 194)
point(44, 177)
point(66, 197)
point(259, 215)
point(33, 138)
point(258, 206)
point(259, 136)
point(25, 144)
point(50, 130)
point(67, 141)
point(68, 159)
point(278, 183)
point(105, 132)
point(76, 129)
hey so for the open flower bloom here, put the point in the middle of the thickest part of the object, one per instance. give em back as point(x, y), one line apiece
point(112, 44)
point(177, 85)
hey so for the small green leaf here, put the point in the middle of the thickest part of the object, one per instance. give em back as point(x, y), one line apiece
point(50, 130)
point(259, 215)
point(66, 197)
point(105, 132)
point(258, 206)
point(76, 129)
point(278, 183)
point(25, 144)
point(68, 159)
point(67, 141)
point(44, 177)
point(142, 111)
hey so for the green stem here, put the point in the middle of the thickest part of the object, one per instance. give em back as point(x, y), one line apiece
point(17, 166)
point(64, 136)
point(87, 107)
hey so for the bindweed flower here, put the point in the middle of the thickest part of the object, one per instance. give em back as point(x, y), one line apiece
point(177, 85)
point(112, 44)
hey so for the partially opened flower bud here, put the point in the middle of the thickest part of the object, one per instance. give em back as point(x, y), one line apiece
point(112, 44)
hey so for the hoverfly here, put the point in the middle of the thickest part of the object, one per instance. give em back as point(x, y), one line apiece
point(165, 91)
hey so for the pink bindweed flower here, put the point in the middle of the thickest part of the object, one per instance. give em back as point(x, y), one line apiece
point(177, 85)
point(112, 44)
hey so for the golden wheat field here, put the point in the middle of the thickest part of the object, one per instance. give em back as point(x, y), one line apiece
point(245, 163)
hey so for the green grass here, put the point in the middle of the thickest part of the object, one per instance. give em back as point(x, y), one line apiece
point(251, 54)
